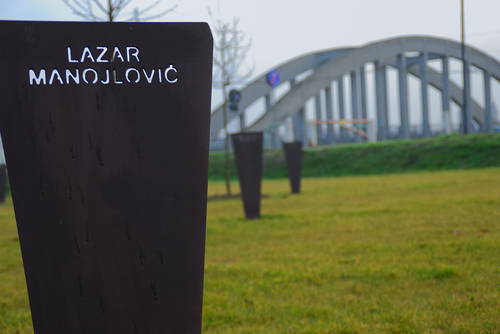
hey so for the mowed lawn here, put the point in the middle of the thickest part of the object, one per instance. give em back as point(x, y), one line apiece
point(412, 253)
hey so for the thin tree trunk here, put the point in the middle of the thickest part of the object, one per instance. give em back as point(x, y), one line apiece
point(110, 11)
point(227, 166)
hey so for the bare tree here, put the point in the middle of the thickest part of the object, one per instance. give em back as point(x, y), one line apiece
point(112, 10)
point(231, 49)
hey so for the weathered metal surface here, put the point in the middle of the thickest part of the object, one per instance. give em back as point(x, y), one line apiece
point(109, 177)
point(248, 154)
point(293, 157)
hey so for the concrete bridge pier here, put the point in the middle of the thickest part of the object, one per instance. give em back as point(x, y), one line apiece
point(330, 134)
point(466, 110)
point(341, 105)
point(381, 97)
point(488, 112)
point(355, 100)
point(362, 93)
point(319, 117)
point(445, 95)
point(354, 95)
point(424, 88)
point(404, 131)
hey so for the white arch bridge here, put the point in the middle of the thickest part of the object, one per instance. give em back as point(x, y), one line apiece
point(279, 111)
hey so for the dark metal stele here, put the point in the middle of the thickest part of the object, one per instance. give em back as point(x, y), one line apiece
point(248, 152)
point(293, 156)
point(106, 131)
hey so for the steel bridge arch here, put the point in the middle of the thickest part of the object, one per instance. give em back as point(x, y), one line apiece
point(333, 64)
point(288, 71)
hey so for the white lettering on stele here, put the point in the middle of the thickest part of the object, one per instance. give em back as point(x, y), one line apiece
point(80, 72)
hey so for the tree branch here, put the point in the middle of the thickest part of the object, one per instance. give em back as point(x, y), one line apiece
point(114, 9)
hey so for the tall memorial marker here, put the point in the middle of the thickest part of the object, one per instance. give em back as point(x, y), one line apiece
point(106, 132)
point(248, 155)
point(293, 156)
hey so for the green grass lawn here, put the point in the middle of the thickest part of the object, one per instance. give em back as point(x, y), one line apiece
point(410, 253)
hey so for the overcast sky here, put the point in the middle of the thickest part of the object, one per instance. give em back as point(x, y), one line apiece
point(283, 29)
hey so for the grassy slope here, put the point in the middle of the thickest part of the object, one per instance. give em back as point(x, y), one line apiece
point(412, 253)
point(441, 153)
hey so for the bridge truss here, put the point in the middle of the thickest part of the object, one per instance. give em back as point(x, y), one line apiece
point(310, 77)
